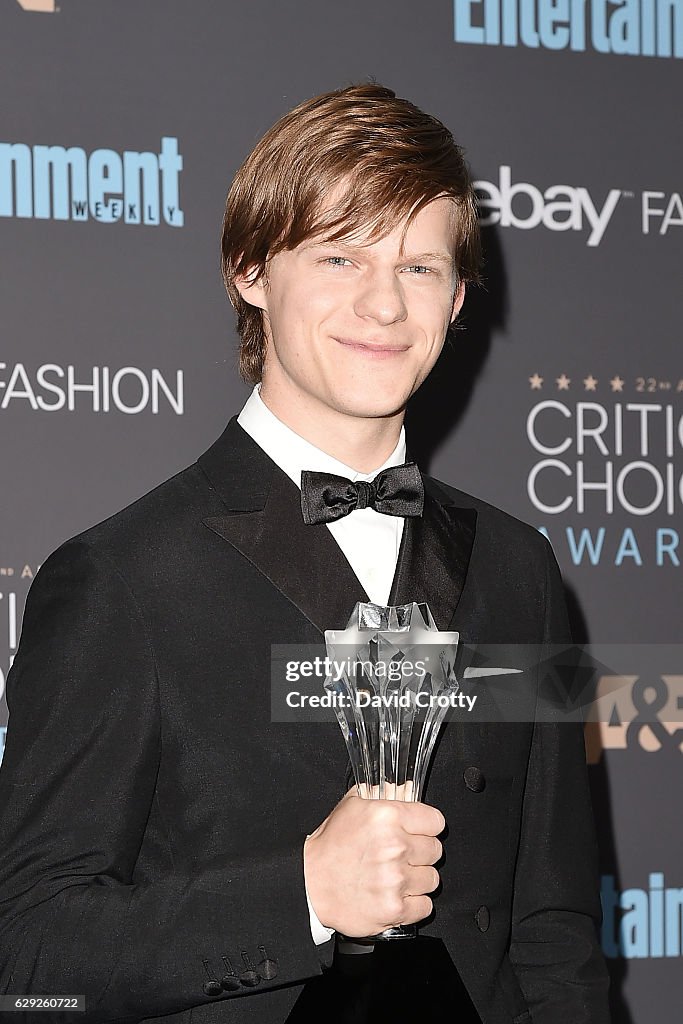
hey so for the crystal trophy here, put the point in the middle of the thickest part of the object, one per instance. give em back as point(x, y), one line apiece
point(392, 677)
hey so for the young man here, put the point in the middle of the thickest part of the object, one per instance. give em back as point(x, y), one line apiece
point(169, 850)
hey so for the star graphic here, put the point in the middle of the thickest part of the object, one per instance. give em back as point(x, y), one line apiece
point(617, 383)
point(563, 382)
point(536, 382)
point(590, 382)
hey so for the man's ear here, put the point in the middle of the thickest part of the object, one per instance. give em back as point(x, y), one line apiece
point(251, 288)
point(458, 300)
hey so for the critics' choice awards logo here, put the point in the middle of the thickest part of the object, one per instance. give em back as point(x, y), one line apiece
point(639, 28)
point(602, 453)
point(9, 624)
point(101, 389)
point(523, 205)
point(58, 183)
point(9, 631)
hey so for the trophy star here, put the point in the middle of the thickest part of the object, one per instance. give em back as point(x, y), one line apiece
point(372, 624)
point(536, 382)
point(617, 383)
point(590, 382)
point(563, 382)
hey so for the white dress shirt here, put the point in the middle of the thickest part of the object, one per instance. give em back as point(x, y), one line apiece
point(369, 540)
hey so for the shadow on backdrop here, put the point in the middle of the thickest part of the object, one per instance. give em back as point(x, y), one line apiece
point(432, 416)
point(604, 821)
point(437, 408)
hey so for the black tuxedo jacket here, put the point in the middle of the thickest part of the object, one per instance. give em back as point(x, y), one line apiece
point(153, 816)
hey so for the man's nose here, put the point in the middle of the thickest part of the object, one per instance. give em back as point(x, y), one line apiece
point(380, 297)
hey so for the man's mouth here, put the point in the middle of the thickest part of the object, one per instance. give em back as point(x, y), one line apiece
point(377, 349)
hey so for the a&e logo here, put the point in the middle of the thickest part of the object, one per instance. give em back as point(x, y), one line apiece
point(43, 6)
point(634, 712)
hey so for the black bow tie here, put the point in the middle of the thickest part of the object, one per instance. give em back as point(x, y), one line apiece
point(397, 491)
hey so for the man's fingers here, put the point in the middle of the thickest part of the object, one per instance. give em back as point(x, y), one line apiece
point(415, 908)
point(424, 850)
point(371, 861)
point(422, 819)
point(421, 881)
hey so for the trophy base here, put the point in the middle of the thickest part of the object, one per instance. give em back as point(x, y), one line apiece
point(400, 931)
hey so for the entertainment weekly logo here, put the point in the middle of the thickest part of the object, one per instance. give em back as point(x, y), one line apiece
point(636, 28)
point(642, 923)
point(525, 206)
point(609, 450)
point(48, 182)
point(99, 389)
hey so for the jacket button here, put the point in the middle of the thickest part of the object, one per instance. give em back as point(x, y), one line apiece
point(474, 779)
point(250, 979)
point(483, 918)
point(212, 988)
point(267, 967)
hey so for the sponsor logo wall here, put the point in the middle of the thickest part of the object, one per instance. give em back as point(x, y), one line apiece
point(561, 399)
point(523, 205)
point(70, 184)
point(645, 28)
point(650, 925)
point(128, 389)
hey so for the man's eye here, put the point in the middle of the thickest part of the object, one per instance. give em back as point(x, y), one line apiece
point(336, 261)
point(420, 269)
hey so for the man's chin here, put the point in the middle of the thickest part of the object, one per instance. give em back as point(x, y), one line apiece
point(373, 408)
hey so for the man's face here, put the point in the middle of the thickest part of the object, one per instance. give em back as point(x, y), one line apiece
point(355, 327)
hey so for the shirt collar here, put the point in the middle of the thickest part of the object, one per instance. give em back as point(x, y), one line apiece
point(293, 453)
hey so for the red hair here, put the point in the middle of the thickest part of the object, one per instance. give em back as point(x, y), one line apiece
point(394, 159)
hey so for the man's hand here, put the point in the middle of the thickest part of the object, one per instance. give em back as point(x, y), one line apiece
point(369, 865)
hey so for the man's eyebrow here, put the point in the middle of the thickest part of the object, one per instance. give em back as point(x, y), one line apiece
point(420, 257)
point(430, 257)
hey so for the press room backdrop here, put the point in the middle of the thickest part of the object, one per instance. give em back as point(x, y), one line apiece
point(560, 401)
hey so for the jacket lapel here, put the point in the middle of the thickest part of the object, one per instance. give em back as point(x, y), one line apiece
point(263, 522)
point(434, 556)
